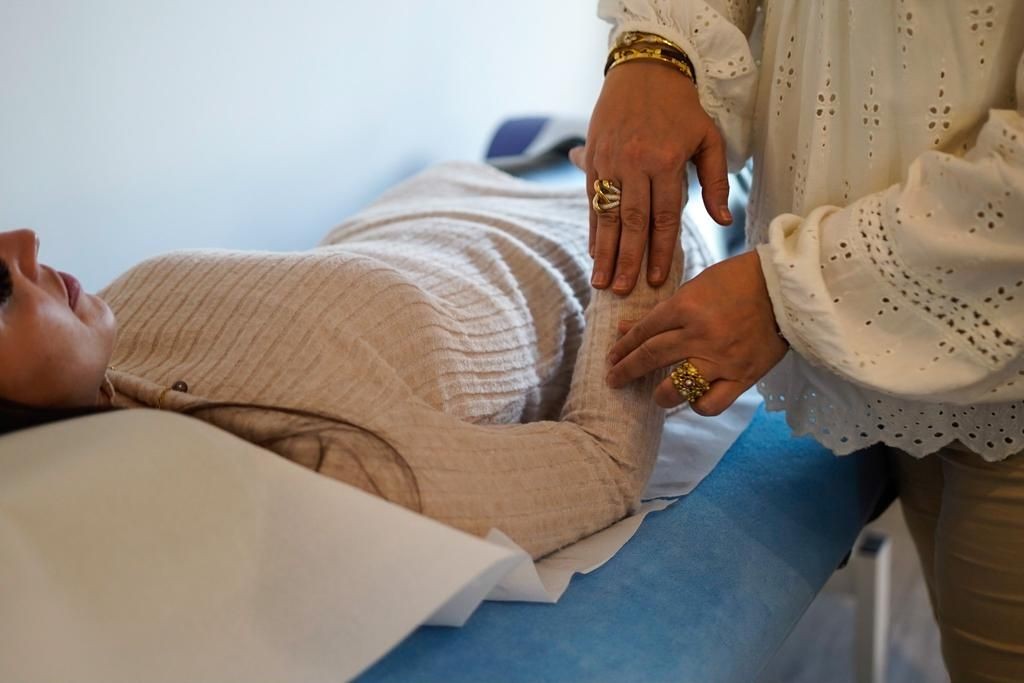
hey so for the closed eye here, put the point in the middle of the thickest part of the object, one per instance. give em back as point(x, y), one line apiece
point(6, 286)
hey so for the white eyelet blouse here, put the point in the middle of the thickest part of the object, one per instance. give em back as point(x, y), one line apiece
point(888, 204)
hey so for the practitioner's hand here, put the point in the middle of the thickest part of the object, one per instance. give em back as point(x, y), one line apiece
point(647, 123)
point(721, 320)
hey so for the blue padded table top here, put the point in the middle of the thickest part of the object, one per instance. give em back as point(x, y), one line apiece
point(706, 591)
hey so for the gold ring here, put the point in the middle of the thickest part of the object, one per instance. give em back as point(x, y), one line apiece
point(607, 196)
point(688, 381)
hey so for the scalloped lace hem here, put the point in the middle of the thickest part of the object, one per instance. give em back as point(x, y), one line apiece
point(845, 418)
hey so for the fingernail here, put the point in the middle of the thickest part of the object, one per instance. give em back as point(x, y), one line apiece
point(656, 274)
point(726, 214)
point(613, 359)
point(599, 278)
point(622, 282)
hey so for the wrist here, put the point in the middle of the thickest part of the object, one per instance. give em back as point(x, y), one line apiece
point(765, 271)
point(653, 68)
point(653, 77)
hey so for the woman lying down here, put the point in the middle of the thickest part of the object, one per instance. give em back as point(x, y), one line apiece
point(423, 352)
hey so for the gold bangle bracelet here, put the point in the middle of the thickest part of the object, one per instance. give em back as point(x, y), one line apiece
point(640, 40)
point(628, 54)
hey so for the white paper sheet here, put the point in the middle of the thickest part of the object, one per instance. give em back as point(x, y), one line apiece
point(548, 579)
point(143, 546)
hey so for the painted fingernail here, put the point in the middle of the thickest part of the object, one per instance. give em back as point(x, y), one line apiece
point(656, 274)
point(599, 278)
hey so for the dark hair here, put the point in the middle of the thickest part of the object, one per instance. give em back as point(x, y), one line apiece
point(319, 427)
point(15, 416)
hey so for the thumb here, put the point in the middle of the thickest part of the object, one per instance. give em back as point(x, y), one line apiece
point(712, 172)
point(578, 157)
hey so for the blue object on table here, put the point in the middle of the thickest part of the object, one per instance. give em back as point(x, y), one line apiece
point(515, 136)
point(706, 591)
point(527, 142)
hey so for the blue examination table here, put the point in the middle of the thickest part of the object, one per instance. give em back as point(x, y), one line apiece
point(705, 592)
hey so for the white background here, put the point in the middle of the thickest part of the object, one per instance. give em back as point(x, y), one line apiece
point(131, 127)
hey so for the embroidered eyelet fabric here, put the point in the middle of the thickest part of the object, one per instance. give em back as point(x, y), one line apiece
point(887, 208)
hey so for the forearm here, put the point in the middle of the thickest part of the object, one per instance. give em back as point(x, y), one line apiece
point(625, 422)
point(545, 484)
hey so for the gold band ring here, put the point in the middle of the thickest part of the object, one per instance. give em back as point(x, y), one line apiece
point(607, 196)
point(688, 381)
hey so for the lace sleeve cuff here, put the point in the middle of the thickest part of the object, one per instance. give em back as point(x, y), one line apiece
point(792, 322)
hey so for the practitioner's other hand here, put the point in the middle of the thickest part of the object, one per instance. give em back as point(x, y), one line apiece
point(721, 320)
point(647, 123)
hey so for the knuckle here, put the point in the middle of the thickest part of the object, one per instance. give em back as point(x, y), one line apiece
point(628, 264)
point(648, 355)
point(659, 254)
point(634, 219)
point(717, 184)
point(604, 255)
point(665, 221)
point(664, 159)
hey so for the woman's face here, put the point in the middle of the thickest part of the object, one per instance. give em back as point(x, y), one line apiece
point(55, 340)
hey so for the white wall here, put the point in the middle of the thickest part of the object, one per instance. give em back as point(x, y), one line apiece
point(130, 127)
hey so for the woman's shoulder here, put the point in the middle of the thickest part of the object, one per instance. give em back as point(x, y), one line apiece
point(217, 274)
point(163, 265)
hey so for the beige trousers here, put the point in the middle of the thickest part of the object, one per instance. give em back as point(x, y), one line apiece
point(966, 516)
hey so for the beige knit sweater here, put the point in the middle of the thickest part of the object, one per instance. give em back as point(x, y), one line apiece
point(424, 331)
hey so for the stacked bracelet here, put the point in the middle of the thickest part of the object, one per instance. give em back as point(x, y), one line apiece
point(637, 45)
